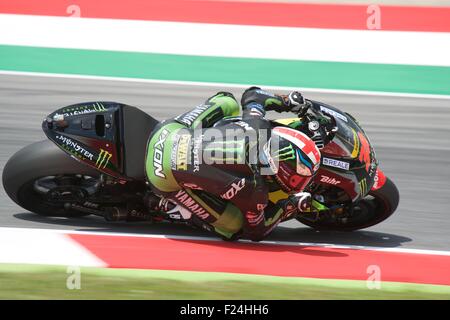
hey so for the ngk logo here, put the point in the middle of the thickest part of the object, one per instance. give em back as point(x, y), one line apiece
point(329, 180)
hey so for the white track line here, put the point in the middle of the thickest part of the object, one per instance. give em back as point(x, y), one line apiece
point(36, 232)
point(31, 247)
point(364, 46)
point(225, 85)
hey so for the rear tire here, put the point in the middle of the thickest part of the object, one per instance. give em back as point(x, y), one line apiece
point(381, 206)
point(40, 159)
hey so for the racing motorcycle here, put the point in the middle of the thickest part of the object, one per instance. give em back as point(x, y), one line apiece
point(93, 164)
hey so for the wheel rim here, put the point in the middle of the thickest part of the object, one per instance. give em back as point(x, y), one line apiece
point(55, 192)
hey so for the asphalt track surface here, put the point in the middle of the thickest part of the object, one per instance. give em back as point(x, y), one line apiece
point(411, 137)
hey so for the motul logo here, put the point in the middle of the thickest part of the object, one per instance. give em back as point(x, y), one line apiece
point(235, 188)
point(329, 180)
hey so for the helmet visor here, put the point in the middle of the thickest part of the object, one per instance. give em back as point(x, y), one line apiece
point(304, 167)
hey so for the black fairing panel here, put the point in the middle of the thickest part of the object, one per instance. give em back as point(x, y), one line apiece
point(138, 126)
point(108, 136)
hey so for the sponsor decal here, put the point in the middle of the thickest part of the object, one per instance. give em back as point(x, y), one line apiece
point(256, 112)
point(254, 218)
point(182, 152)
point(355, 144)
point(74, 147)
point(79, 110)
point(175, 216)
point(192, 186)
point(268, 157)
point(373, 167)
point(158, 154)
point(284, 154)
point(336, 163)
point(363, 186)
point(244, 125)
point(379, 180)
point(329, 180)
point(196, 152)
point(364, 153)
point(173, 153)
point(333, 113)
point(192, 205)
point(189, 118)
point(259, 91)
point(301, 140)
point(103, 159)
point(234, 189)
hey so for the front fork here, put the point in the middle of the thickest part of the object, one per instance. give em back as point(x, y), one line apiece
point(318, 209)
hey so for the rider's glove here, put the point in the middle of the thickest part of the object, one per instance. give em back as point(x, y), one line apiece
point(294, 102)
point(303, 201)
point(296, 99)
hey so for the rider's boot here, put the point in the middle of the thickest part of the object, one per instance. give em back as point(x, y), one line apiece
point(169, 208)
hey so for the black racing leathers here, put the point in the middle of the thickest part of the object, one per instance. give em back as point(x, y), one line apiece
point(214, 171)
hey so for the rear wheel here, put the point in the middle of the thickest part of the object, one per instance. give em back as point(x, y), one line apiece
point(52, 195)
point(375, 208)
point(42, 179)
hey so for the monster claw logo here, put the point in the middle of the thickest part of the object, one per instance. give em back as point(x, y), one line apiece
point(99, 107)
point(103, 159)
point(363, 186)
point(85, 109)
point(284, 154)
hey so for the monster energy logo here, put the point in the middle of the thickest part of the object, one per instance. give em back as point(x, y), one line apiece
point(363, 186)
point(98, 107)
point(103, 159)
point(73, 147)
point(284, 154)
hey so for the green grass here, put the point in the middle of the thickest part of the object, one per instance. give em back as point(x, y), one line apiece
point(49, 282)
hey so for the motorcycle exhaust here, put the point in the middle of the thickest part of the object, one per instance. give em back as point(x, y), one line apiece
point(123, 214)
point(115, 214)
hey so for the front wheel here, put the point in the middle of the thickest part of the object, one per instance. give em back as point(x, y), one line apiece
point(40, 175)
point(375, 208)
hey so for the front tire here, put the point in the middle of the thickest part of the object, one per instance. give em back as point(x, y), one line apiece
point(377, 207)
point(33, 162)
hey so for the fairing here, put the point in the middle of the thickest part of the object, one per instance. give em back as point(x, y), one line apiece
point(348, 161)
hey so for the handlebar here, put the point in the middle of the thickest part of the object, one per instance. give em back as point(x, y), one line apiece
point(317, 121)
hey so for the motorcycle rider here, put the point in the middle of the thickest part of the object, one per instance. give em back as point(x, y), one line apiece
point(187, 169)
